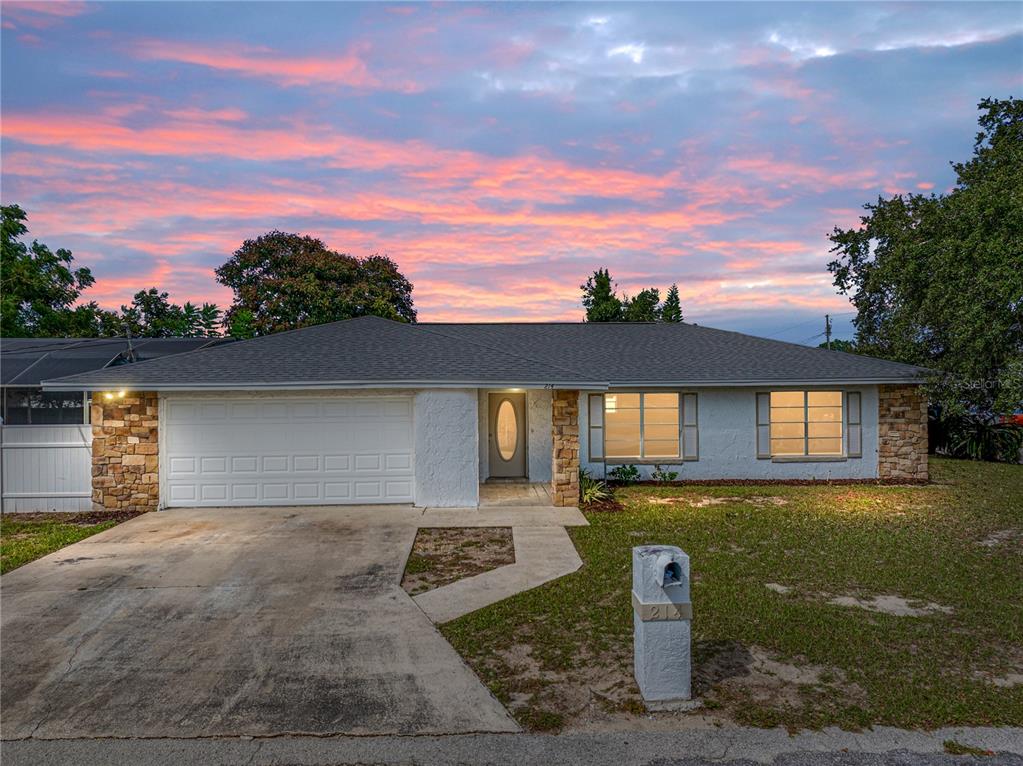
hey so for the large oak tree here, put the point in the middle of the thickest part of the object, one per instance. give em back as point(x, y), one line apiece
point(284, 281)
point(937, 280)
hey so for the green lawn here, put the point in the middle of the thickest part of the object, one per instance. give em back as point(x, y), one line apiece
point(26, 537)
point(560, 655)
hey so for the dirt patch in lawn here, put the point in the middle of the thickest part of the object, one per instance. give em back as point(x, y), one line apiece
point(443, 556)
point(599, 692)
point(84, 519)
point(734, 673)
point(1003, 538)
point(891, 604)
point(886, 603)
point(602, 506)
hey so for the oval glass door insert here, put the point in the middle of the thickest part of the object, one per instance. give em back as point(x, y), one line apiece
point(507, 430)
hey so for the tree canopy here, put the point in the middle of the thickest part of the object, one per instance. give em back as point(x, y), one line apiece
point(937, 280)
point(284, 281)
point(671, 311)
point(40, 286)
point(602, 303)
point(599, 299)
point(152, 315)
point(645, 307)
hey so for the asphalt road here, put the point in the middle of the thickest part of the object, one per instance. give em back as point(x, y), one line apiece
point(684, 748)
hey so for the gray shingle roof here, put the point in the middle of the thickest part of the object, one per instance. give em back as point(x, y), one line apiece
point(373, 351)
point(667, 353)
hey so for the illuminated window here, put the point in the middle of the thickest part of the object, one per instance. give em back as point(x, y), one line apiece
point(802, 423)
point(642, 426)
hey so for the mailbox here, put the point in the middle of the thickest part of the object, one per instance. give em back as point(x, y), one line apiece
point(662, 620)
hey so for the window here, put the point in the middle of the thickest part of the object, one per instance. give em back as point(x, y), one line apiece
point(799, 424)
point(643, 426)
point(34, 407)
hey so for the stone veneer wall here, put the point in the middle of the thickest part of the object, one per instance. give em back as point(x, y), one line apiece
point(901, 433)
point(565, 433)
point(125, 459)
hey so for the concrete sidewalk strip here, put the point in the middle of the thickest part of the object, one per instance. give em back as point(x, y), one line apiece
point(542, 554)
point(830, 747)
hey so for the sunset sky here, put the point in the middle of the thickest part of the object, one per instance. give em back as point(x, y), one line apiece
point(498, 153)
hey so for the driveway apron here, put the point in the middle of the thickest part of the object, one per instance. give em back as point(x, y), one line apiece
point(217, 622)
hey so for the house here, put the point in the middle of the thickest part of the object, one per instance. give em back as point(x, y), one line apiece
point(374, 411)
point(45, 438)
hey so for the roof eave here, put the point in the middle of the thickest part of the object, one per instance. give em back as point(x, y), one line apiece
point(61, 385)
point(851, 381)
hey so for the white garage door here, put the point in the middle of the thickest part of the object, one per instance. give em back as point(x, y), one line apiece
point(287, 451)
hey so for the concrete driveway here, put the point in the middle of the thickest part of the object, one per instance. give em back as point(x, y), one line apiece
point(259, 621)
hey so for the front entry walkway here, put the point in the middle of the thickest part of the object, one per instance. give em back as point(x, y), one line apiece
point(518, 493)
point(542, 554)
point(232, 622)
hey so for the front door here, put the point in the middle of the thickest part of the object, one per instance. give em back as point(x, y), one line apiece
point(508, 435)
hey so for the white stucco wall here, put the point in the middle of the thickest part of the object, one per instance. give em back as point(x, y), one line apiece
point(446, 447)
point(727, 425)
point(541, 440)
point(483, 408)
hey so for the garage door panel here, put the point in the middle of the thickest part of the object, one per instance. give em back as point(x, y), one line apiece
point(306, 451)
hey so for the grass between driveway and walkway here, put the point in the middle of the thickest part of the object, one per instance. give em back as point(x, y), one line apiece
point(846, 605)
point(25, 537)
point(443, 556)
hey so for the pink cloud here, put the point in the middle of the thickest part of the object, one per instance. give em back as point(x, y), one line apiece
point(42, 15)
point(347, 69)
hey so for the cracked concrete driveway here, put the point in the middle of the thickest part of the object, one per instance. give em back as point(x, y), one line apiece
point(259, 621)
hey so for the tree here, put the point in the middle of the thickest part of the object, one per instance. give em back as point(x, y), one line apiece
point(152, 315)
point(240, 325)
point(645, 307)
point(938, 280)
point(200, 321)
point(39, 287)
point(599, 299)
point(285, 281)
point(671, 311)
point(840, 345)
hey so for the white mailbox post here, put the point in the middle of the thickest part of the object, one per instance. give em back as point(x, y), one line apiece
point(662, 621)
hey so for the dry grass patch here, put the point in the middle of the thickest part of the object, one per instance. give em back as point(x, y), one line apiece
point(443, 556)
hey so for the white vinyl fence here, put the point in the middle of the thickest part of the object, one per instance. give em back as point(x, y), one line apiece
point(46, 468)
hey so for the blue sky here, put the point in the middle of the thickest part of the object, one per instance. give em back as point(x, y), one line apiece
point(498, 152)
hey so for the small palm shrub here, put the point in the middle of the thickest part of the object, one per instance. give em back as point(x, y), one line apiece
point(976, 437)
point(593, 490)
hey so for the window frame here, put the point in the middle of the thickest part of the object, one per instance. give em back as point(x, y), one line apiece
point(29, 392)
point(688, 434)
point(762, 428)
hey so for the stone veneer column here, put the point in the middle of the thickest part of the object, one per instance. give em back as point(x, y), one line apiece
point(901, 433)
point(565, 433)
point(125, 460)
